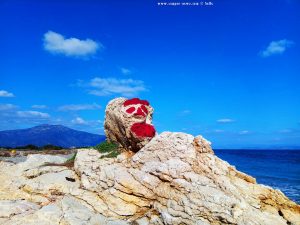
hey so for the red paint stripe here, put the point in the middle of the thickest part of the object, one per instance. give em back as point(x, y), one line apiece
point(144, 109)
point(130, 110)
point(135, 101)
point(143, 130)
point(139, 112)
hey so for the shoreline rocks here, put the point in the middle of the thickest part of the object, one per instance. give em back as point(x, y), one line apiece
point(174, 179)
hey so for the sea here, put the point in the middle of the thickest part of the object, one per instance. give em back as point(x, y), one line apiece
point(279, 169)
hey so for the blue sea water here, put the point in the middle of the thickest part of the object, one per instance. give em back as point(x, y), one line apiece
point(279, 169)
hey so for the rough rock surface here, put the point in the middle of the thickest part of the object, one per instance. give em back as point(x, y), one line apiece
point(128, 122)
point(174, 179)
point(31, 194)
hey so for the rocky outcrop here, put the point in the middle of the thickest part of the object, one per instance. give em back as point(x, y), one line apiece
point(128, 122)
point(174, 179)
point(31, 194)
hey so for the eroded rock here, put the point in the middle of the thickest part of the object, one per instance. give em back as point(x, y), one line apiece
point(128, 122)
point(174, 179)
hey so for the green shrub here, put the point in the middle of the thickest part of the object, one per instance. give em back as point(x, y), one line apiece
point(72, 159)
point(28, 147)
point(110, 148)
point(51, 147)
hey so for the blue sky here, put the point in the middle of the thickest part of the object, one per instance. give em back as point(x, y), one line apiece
point(229, 71)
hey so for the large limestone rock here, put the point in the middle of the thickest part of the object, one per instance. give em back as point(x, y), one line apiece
point(31, 193)
point(174, 179)
point(128, 122)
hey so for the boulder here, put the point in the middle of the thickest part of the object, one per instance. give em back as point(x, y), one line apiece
point(128, 122)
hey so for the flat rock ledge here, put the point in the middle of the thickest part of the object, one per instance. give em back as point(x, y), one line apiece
point(174, 179)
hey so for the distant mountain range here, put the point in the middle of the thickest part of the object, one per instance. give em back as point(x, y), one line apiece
point(49, 134)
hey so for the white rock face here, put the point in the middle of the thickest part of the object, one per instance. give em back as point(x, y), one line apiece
point(174, 179)
point(31, 194)
point(11, 208)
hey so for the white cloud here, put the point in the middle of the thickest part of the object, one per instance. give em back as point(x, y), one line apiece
point(78, 107)
point(218, 131)
point(39, 106)
point(32, 114)
point(91, 123)
point(125, 71)
point(11, 116)
point(79, 121)
point(112, 86)
point(244, 132)
point(276, 48)
point(225, 120)
point(58, 44)
point(284, 131)
point(186, 111)
point(7, 107)
point(4, 93)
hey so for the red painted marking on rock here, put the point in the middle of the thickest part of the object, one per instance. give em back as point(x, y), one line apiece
point(135, 101)
point(144, 109)
point(143, 130)
point(130, 110)
point(139, 112)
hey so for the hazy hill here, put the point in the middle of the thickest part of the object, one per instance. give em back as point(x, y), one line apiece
point(49, 134)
